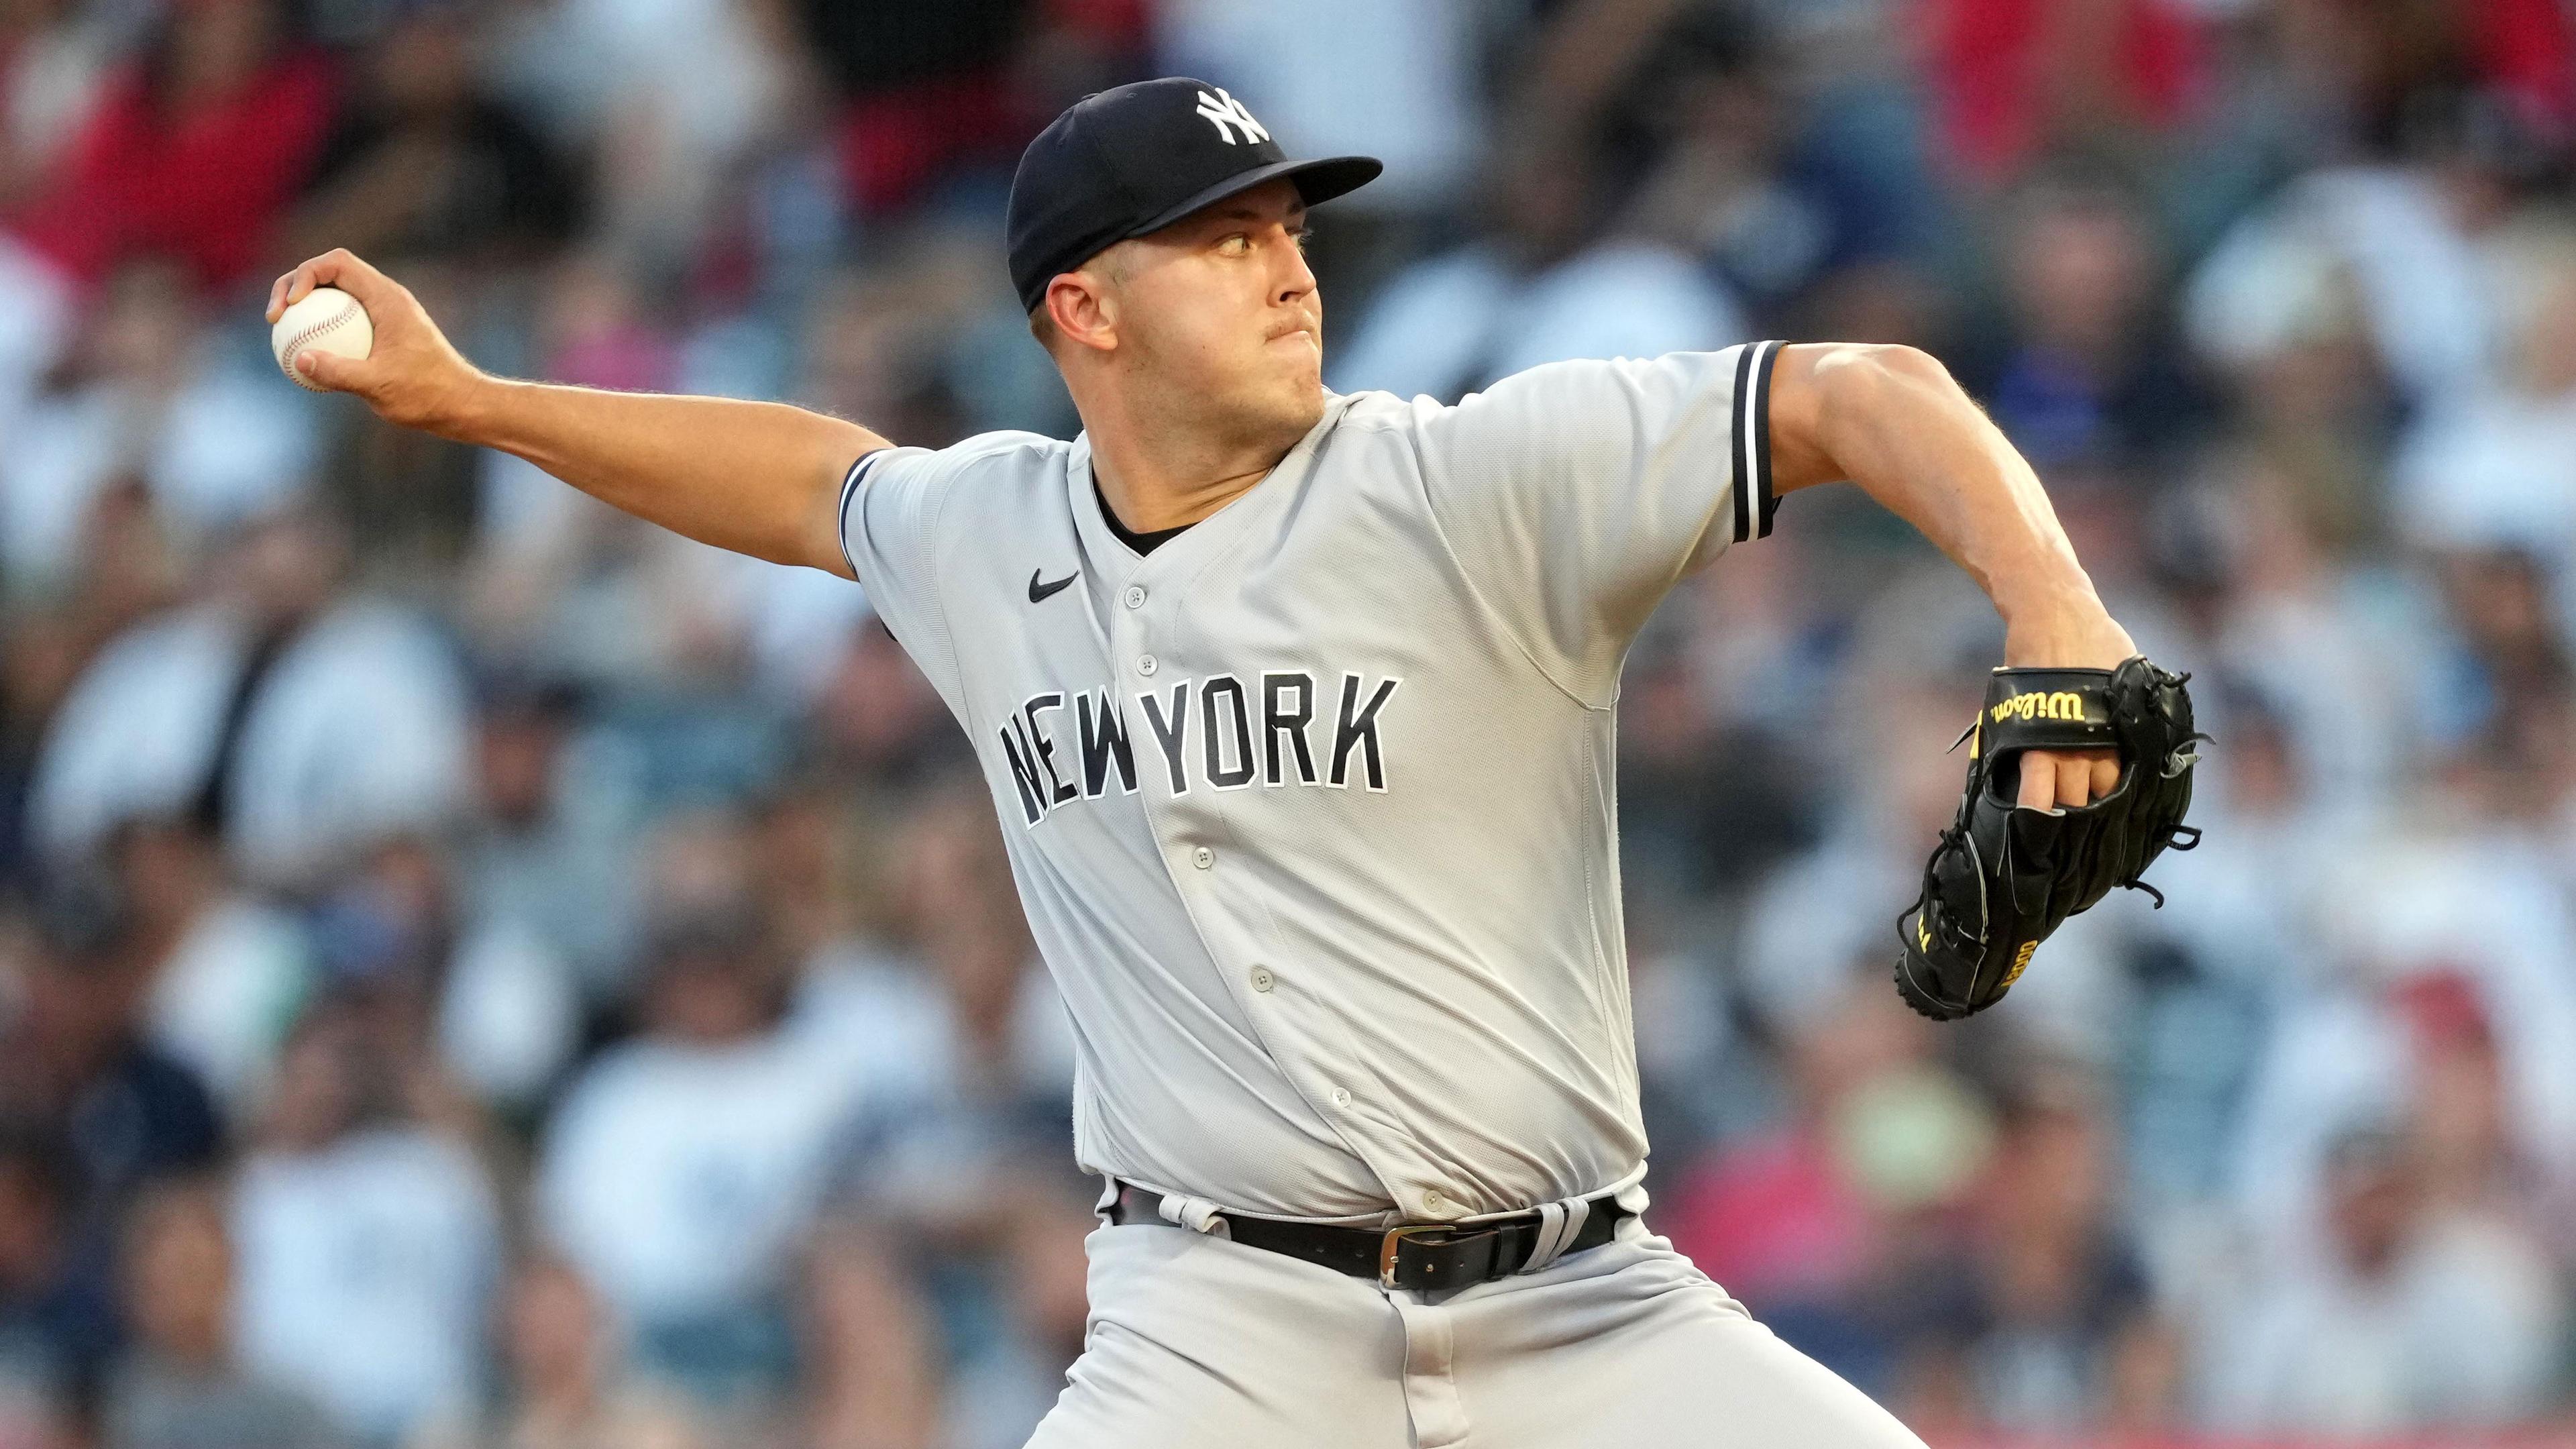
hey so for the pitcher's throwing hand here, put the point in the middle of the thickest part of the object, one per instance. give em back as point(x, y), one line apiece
point(409, 376)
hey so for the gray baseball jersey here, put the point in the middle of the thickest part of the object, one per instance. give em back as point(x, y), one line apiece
point(1312, 807)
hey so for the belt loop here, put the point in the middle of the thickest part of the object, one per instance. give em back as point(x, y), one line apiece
point(1196, 1214)
point(1543, 1242)
point(1558, 1223)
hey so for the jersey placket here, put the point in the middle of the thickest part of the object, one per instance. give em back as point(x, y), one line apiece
point(1143, 608)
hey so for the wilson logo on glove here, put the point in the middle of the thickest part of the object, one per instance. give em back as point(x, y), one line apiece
point(2003, 878)
point(2021, 961)
point(2057, 704)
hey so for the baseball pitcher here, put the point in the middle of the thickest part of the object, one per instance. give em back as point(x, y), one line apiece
point(1298, 710)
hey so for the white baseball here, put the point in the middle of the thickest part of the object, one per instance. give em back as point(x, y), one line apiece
point(327, 320)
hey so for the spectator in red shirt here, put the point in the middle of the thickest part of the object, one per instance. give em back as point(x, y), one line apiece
point(194, 150)
point(2017, 78)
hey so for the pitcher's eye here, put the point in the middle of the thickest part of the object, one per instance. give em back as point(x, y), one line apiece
point(1235, 245)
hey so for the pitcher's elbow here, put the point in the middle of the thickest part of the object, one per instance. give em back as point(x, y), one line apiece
point(1873, 366)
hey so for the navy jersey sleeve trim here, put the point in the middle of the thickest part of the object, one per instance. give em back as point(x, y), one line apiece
point(1751, 435)
point(850, 490)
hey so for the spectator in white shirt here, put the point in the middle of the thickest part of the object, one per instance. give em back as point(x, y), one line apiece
point(295, 718)
point(1539, 288)
point(147, 391)
point(2413, 1318)
point(684, 1165)
point(368, 1243)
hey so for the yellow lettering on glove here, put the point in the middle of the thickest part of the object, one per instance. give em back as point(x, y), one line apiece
point(2058, 704)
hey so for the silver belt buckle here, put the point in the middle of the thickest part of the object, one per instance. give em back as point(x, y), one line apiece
point(1395, 1236)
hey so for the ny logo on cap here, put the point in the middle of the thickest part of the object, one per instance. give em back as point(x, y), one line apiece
point(1226, 114)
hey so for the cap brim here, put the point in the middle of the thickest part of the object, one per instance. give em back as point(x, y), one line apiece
point(1317, 182)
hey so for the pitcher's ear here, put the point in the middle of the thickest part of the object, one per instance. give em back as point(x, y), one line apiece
point(1082, 309)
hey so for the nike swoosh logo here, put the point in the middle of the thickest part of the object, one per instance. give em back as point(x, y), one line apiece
point(1039, 593)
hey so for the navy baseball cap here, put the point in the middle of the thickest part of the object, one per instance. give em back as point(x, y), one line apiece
point(1138, 158)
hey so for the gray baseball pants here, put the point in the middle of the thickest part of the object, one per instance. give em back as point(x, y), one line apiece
point(1196, 1342)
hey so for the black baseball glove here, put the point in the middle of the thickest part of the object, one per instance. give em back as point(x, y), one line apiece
point(2002, 877)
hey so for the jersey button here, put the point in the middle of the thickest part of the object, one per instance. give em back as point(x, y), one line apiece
point(1203, 857)
point(1432, 1200)
point(1146, 665)
point(1261, 978)
point(1135, 596)
point(1341, 1096)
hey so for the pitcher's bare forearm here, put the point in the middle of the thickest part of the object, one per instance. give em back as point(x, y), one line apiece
point(1891, 420)
point(757, 478)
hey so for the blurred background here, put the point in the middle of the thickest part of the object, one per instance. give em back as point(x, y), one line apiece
point(477, 971)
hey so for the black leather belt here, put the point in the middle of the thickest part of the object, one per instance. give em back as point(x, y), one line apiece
point(1413, 1256)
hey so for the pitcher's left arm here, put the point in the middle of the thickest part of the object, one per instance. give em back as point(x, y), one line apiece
point(1892, 420)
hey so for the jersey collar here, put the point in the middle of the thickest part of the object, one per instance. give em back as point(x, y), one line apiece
point(1108, 559)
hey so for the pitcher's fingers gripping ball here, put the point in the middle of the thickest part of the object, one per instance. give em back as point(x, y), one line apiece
point(2004, 876)
point(325, 320)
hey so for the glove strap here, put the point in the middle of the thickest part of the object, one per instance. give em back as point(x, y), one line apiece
point(2044, 709)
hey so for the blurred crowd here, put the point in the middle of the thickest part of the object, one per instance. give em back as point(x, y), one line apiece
point(478, 971)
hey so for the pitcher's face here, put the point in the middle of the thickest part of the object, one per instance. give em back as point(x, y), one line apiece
point(1219, 307)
